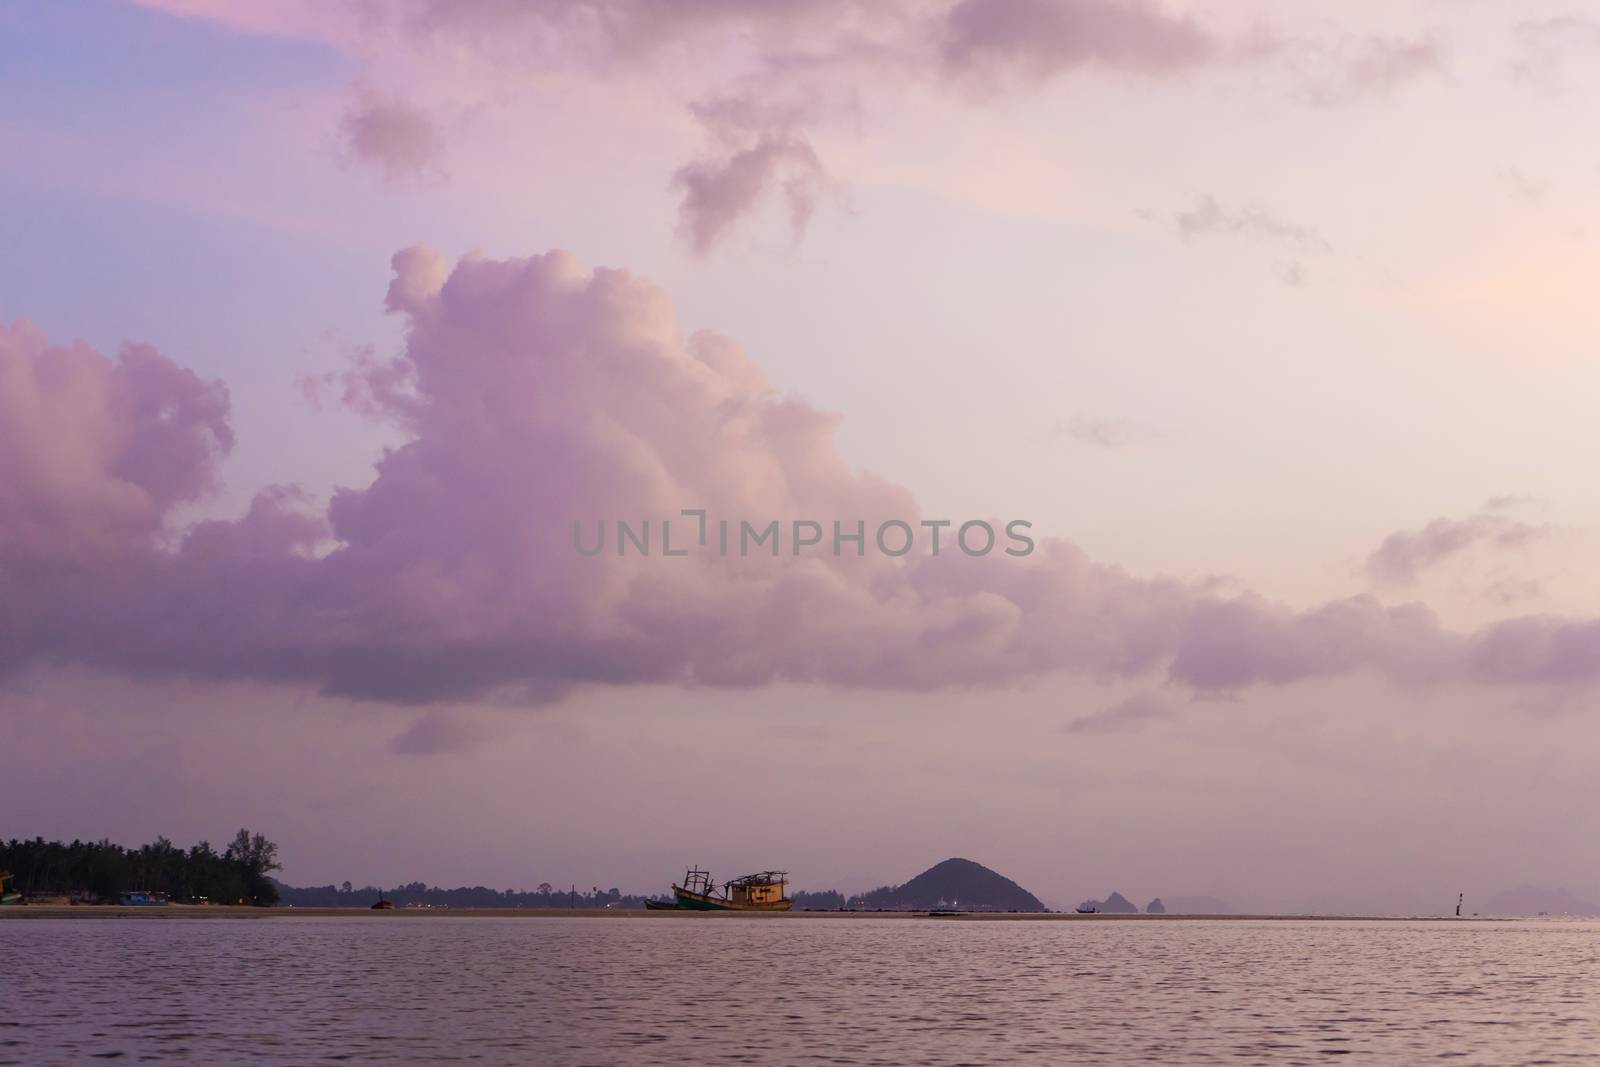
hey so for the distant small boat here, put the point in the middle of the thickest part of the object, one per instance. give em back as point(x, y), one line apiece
point(1091, 910)
point(383, 905)
point(660, 905)
point(8, 888)
point(763, 891)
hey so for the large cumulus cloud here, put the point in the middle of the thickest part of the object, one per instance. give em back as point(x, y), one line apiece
point(95, 452)
point(537, 393)
point(534, 392)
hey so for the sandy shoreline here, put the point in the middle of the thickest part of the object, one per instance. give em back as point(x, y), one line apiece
point(181, 911)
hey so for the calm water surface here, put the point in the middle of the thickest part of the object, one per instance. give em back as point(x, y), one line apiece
point(808, 991)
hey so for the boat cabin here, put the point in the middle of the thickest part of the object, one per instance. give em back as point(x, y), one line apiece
point(764, 888)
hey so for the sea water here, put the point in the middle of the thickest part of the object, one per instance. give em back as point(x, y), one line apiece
point(801, 990)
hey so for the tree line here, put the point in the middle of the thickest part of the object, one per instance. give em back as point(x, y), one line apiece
point(821, 900)
point(420, 894)
point(103, 871)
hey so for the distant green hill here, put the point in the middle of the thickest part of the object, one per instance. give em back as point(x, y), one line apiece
point(956, 884)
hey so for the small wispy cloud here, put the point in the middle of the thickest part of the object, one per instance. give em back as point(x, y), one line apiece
point(1377, 65)
point(1525, 188)
point(1545, 45)
point(1126, 716)
point(1405, 554)
point(1509, 591)
point(755, 150)
point(437, 732)
point(1509, 502)
point(1210, 218)
point(1103, 432)
point(1346, 68)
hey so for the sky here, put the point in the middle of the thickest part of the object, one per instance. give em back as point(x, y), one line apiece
point(321, 325)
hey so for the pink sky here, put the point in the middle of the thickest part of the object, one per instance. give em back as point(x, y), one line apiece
point(321, 324)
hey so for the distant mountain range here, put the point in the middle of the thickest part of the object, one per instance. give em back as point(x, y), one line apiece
point(956, 884)
point(1115, 904)
point(1532, 900)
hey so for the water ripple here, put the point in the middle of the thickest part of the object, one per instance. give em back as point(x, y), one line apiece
point(836, 992)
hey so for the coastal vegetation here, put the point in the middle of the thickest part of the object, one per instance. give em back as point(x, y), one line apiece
point(422, 895)
point(820, 900)
point(955, 883)
point(241, 873)
point(99, 871)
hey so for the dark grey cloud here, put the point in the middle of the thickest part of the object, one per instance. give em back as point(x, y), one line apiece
point(1038, 39)
point(392, 135)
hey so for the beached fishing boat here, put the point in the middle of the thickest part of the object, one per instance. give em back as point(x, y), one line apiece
point(763, 891)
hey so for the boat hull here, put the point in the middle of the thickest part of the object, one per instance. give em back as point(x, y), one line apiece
point(691, 901)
